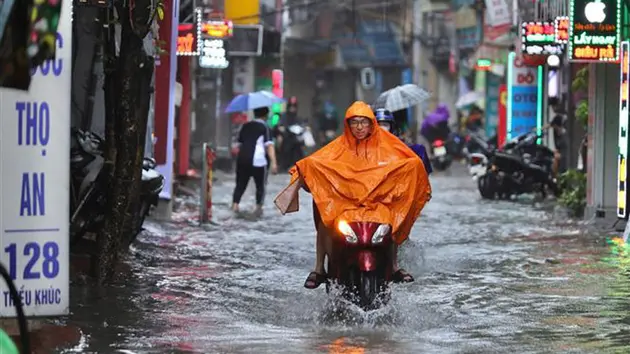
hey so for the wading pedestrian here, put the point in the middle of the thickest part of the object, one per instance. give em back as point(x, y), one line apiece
point(256, 155)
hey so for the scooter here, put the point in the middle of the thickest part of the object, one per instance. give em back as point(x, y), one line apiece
point(291, 145)
point(86, 183)
point(150, 189)
point(88, 186)
point(441, 158)
point(361, 263)
point(478, 152)
point(522, 166)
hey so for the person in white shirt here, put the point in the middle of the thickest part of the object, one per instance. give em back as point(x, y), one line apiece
point(256, 154)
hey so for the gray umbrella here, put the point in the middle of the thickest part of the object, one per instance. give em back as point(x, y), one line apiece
point(401, 97)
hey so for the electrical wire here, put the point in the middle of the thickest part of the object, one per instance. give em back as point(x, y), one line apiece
point(17, 302)
point(313, 2)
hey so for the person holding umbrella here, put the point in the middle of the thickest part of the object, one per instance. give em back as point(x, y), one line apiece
point(256, 152)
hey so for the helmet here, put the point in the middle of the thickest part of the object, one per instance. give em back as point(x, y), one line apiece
point(384, 116)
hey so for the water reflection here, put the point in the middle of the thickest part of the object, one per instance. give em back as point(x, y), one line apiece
point(618, 315)
point(341, 346)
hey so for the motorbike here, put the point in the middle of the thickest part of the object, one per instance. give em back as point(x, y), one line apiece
point(522, 166)
point(456, 145)
point(361, 263)
point(441, 159)
point(150, 189)
point(479, 150)
point(291, 144)
point(88, 185)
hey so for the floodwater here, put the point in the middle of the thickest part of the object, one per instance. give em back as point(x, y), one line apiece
point(491, 277)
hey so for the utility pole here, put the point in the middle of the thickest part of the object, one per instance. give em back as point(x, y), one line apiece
point(418, 76)
point(282, 27)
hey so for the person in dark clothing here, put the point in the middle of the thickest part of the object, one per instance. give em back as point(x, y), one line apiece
point(255, 154)
point(561, 144)
point(401, 119)
point(290, 117)
point(328, 122)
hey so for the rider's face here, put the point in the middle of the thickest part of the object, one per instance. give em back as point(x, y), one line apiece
point(385, 126)
point(361, 127)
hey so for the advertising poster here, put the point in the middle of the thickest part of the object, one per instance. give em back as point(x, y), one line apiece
point(35, 167)
point(502, 115)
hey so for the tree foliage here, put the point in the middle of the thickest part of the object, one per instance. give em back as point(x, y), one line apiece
point(573, 186)
point(580, 84)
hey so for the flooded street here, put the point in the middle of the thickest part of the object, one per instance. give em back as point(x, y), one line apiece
point(491, 277)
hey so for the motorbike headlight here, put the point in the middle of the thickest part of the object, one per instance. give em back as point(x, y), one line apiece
point(344, 228)
point(380, 233)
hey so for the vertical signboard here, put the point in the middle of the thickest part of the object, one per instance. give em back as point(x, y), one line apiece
point(406, 78)
point(277, 88)
point(188, 35)
point(492, 103)
point(562, 29)
point(34, 165)
point(212, 44)
point(502, 115)
point(622, 172)
point(522, 107)
point(594, 30)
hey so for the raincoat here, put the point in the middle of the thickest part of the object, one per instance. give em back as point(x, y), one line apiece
point(378, 179)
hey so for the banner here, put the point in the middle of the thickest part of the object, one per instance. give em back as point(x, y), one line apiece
point(502, 115)
point(34, 183)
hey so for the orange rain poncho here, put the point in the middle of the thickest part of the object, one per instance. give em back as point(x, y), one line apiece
point(378, 179)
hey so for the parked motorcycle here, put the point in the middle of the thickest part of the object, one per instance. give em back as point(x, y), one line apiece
point(361, 263)
point(441, 159)
point(87, 183)
point(88, 187)
point(150, 189)
point(479, 150)
point(476, 143)
point(522, 166)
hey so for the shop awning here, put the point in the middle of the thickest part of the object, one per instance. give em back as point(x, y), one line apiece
point(373, 44)
point(307, 46)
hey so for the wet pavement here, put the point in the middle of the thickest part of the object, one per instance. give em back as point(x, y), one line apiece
point(491, 277)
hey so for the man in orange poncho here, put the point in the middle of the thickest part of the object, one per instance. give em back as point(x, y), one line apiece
point(367, 174)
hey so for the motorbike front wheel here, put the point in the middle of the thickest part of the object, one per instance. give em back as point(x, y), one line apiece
point(370, 291)
point(143, 212)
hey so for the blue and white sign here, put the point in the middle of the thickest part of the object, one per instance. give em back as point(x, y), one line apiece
point(522, 97)
point(524, 109)
point(34, 182)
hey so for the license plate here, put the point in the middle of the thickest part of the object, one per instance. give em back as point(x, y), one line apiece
point(439, 151)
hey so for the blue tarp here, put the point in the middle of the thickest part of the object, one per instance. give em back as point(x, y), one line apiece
point(374, 44)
